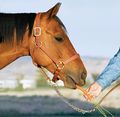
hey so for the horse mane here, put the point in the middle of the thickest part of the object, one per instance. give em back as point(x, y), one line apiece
point(19, 22)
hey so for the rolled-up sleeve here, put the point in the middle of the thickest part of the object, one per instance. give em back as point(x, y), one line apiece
point(111, 72)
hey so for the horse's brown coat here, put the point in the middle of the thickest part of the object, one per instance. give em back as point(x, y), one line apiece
point(73, 73)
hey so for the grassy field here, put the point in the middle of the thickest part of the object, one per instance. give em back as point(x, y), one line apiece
point(42, 106)
point(27, 109)
point(46, 103)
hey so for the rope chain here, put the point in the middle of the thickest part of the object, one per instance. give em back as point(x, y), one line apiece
point(64, 99)
point(81, 110)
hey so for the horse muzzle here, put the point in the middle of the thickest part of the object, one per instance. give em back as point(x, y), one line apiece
point(70, 81)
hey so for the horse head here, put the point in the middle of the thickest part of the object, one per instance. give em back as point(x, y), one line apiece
point(54, 45)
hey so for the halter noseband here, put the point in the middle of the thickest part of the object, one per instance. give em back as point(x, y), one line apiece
point(59, 64)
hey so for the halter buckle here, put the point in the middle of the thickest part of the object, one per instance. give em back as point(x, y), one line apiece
point(37, 31)
point(60, 65)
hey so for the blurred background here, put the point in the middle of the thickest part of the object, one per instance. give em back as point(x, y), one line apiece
point(94, 29)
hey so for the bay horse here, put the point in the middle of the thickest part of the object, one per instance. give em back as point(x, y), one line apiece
point(42, 36)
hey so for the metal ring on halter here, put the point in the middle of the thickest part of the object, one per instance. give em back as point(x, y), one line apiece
point(37, 31)
point(60, 65)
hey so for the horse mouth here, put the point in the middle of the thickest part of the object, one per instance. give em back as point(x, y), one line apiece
point(71, 83)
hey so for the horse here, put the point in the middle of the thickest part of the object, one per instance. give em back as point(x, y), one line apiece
point(43, 37)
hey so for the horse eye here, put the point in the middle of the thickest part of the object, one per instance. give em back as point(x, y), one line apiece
point(60, 39)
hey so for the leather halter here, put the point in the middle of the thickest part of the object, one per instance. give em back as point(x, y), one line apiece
point(59, 64)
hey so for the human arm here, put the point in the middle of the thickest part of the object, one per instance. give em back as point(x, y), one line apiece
point(109, 75)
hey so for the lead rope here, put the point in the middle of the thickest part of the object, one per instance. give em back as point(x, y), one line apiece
point(97, 106)
point(64, 99)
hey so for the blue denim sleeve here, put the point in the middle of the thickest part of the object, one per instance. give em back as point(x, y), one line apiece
point(111, 72)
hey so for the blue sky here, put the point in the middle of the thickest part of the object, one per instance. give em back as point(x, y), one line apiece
point(93, 25)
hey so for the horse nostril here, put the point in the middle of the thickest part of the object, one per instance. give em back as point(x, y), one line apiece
point(84, 75)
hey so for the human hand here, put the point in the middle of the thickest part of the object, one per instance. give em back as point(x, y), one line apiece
point(95, 89)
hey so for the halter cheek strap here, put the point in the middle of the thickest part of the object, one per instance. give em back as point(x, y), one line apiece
point(38, 43)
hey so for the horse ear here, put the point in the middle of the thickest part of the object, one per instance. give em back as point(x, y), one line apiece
point(53, 11)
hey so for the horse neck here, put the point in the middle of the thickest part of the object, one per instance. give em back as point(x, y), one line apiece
point(10, 52)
